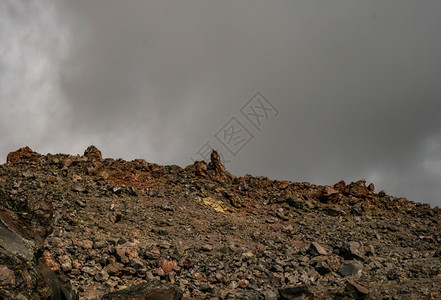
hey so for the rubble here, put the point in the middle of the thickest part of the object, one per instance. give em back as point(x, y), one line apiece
point(84, 227)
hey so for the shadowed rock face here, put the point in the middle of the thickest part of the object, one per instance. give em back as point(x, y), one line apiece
point(154, 290)
point(25, 222)
point(83, 226)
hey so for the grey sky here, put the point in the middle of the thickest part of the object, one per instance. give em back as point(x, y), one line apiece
point(357, 84)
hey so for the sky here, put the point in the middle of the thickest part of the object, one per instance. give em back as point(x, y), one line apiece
point(310, 90)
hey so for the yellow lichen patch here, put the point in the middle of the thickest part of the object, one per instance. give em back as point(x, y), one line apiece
point(213, 203)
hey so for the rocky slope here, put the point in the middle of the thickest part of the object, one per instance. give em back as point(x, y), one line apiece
point(91, 228)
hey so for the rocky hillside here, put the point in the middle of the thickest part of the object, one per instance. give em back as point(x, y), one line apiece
point(84, 227)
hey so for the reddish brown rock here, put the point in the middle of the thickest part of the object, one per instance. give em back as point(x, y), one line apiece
point(93, 154)
point(166, 265)
point(115, 269)
point(218, 171)
point(47, 260)
point(7, 276)
point(357, 291)
point(358, 189)
point(126, 252)
point(330, 195)
point(243, 283)
point(23, 155)
point(316, 249)
point(340, 186)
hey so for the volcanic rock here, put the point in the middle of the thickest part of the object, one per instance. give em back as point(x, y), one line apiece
point(85, 227)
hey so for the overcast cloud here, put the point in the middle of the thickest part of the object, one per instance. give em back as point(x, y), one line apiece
point(357, 84)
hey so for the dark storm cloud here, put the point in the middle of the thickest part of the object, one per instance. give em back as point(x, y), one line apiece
point(357, 84)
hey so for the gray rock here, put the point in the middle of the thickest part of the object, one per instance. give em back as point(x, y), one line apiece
point(350, 268)
point(153, 290)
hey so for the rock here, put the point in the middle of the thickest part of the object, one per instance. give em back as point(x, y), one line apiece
point(87, 244)
point(48, 260)
point(330, 195)
point(205, 288)
point(358, 189)
point(207, 247)
point(115, 269)
point(356, 290)
point(217, 170)
point(243, 295)
point(340, 186)
point(156, 219)
point(322, 267)
point(357, 209)
point(91, 271)
point(381, 193)
point(270, 295)
point(81, 203)
point(166, 265)
point(316, 249)
point(351, 250)
point(92, 153)
point(126, 252)
point(243, 283)
point(371, 188)
point(153, 290)
point(23, 155)
point(294, 201)
point(102, 276)
point(65, 263)
point(7, 276)
point(350, 268)
point(79, 189)
point(295, 292)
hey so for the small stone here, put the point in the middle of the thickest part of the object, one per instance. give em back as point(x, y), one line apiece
point(80, 203)
point(351, 250)
point(79, 188)
point(350, 268)
point(232, 285)
point(356, 290)
point(296, 292)
point(167, 265)
point(205, 288)
point(47, 259)
point(102, 276)
point(114, 269)
point(294, 201)
point(65, 262)
point(270, 295)
point(162, 232)
point(316, 249)
point(87, 244)
point(207, 247)
point(92, 271)
point(7, 276)
point(243, 283)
